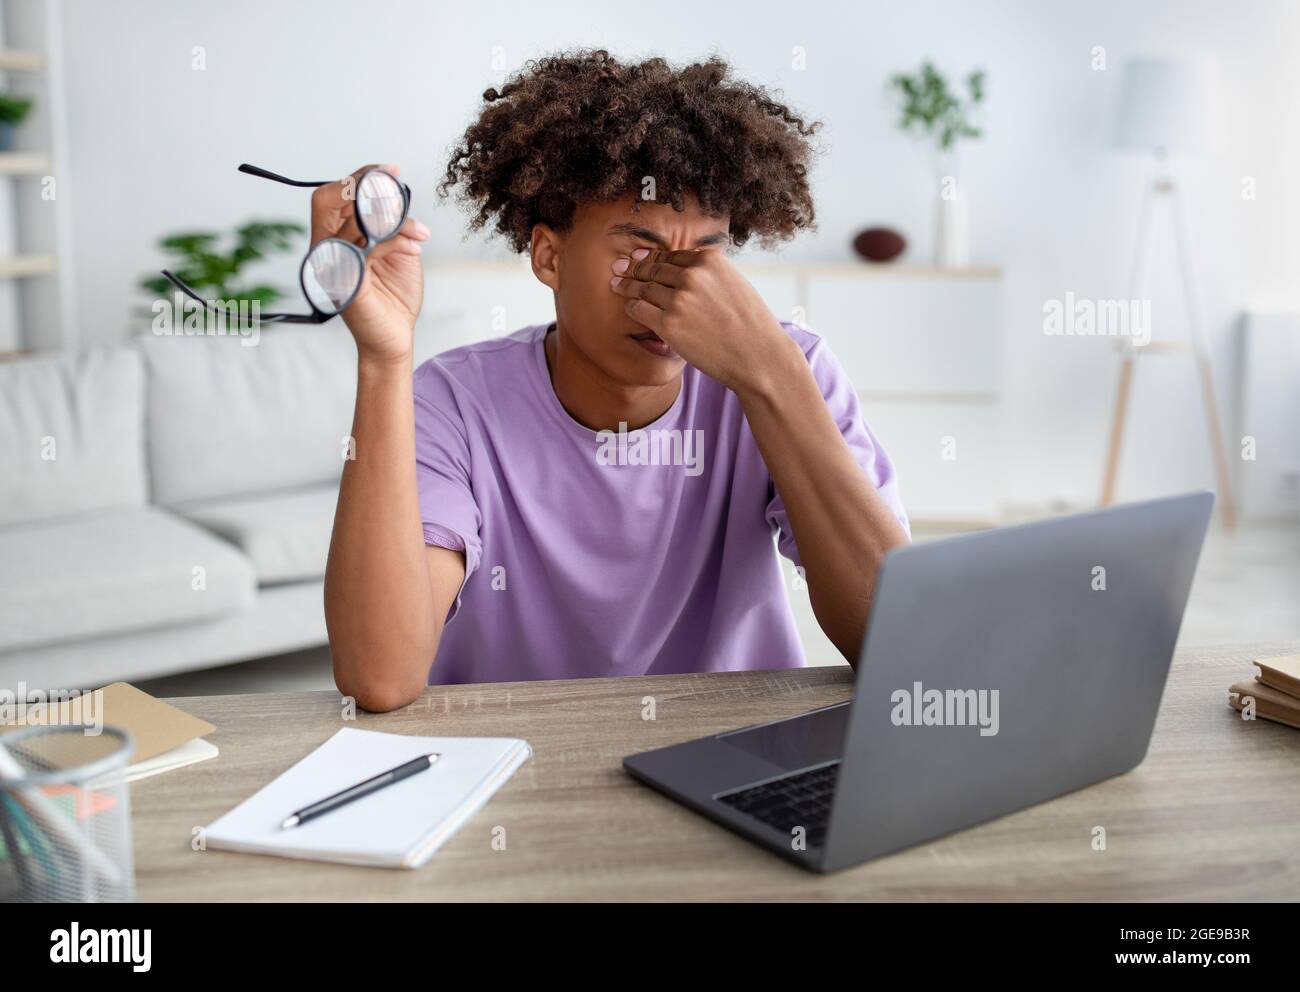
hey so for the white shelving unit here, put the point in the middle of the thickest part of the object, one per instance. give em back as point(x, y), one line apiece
point(36, 285)
point(923, 348)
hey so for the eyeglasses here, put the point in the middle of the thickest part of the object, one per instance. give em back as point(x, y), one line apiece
point(333, 270)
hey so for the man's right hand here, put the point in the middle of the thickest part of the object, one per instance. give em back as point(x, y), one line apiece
point(382, 316)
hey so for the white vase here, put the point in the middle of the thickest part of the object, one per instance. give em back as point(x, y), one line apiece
point(952, 234)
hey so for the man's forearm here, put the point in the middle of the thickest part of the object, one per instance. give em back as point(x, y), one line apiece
point(842, 525)
point(378, 602)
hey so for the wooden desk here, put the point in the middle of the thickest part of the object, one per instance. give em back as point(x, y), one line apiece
point(1213, 812)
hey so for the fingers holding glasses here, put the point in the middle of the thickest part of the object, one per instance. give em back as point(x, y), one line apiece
point(363, 219)
point(335, 270)
point(405, 242)
point(415, 230)
point(334, 207)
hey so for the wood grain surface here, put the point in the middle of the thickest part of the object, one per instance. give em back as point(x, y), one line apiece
point(1213, 812)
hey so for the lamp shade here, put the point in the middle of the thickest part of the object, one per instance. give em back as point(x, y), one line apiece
point(1164, 105)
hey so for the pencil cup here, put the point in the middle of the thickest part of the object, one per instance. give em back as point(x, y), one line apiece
point(65, 816)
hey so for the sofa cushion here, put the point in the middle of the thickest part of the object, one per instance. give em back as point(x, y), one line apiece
point(231, 415)
point(71, 434)
point(116, 571)
point(287, 535)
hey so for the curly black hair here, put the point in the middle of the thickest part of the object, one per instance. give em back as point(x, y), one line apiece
point(581, 127)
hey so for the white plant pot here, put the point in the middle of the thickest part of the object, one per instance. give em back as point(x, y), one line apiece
point(952, 233)
point(952, 240)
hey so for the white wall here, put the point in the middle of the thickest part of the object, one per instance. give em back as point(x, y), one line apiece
point(316, 89)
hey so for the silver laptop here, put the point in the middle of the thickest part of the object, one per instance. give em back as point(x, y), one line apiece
point(1000, 669)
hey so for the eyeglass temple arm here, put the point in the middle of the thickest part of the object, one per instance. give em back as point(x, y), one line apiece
point(267, 318)
point(180, 284)
point(261, 173)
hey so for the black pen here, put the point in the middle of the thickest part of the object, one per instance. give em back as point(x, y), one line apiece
point(360, 789)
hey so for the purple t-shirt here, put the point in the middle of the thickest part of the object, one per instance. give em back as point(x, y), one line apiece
point(609, 553)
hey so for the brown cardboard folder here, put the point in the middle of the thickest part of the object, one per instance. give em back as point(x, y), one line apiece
point(165, 737)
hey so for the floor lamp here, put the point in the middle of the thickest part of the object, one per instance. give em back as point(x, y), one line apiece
point(1164, 106)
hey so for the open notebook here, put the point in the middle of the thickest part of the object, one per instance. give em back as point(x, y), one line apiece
point(397, 827)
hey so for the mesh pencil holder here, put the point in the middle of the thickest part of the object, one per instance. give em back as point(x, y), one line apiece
point(65, 816)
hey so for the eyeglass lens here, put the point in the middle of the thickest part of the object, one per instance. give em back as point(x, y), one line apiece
point(381, 204)
point(331, 275)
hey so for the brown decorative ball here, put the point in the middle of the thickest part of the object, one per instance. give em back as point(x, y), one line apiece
point(879, 244)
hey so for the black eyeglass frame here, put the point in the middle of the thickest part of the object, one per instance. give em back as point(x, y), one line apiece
point(317, 315)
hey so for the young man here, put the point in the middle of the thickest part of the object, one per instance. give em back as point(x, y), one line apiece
point(598, 496)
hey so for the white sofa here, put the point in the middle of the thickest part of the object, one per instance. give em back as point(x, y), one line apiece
point(166, 505)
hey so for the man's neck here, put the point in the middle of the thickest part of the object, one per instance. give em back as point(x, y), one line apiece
point(591, 398)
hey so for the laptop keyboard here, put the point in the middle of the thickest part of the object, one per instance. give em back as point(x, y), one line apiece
point(799, 800)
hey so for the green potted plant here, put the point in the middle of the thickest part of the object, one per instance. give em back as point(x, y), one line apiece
point(13, 111)
point(214, 272)
point(928, 105)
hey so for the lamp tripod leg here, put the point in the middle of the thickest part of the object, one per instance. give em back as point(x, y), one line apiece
point(1227, 510)
point(1111, 473)
point(1200, 343)
point(1117, 431)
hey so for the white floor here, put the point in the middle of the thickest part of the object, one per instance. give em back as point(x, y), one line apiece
point(1247, 588)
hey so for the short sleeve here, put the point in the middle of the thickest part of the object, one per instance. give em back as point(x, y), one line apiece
point(842, 401)
point(448, 511)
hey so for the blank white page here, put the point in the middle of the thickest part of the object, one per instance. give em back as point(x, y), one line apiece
point(399, 826)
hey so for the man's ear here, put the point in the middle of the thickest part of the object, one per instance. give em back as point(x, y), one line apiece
point(545, 253)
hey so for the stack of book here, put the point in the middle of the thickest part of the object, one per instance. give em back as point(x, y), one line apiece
point(1274, 693)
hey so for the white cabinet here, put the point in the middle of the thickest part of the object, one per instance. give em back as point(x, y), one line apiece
point(923, 348)
point(946, 454)
point(910, 334)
